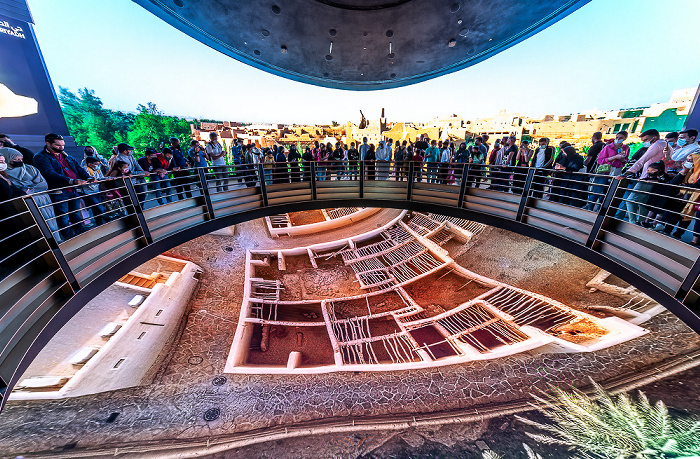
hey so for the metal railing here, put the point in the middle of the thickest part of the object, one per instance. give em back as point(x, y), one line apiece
point(62, 247)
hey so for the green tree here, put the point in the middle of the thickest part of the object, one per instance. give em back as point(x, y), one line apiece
point(614, 427)
point(90, 123)
point(150, 128)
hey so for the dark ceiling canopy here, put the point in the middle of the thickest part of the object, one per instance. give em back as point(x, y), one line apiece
point(361, 44)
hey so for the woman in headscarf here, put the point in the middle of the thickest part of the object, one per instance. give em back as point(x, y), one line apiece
point(7, 189)
point(28, 179)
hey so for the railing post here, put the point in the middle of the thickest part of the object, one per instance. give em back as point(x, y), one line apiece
point(53, 243)
point(313, 179)
point(263, 185)
point(205, 192)
point(689, 281)
point(362, 179)
point(603, 212)
point(137, 209)
point(409, 184)
point(463, 185)
point(526, 194)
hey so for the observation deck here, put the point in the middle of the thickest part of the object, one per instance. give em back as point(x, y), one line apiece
point(46, 280)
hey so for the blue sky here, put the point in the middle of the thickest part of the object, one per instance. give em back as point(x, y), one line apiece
point(609, 54)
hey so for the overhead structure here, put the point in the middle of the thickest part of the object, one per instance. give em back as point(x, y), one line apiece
point(361, 44)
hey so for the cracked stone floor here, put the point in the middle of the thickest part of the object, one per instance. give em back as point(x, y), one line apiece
point(173, 406)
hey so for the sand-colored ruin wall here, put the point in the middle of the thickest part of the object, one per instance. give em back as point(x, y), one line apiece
point(141, 343)
point(328, 225)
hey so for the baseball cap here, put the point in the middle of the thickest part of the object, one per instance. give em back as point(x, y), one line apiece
point(124, 147)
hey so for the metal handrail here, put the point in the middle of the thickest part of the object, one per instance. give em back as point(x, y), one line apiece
point(545, 205)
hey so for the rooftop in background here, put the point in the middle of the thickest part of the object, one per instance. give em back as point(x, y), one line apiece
point(361, 44)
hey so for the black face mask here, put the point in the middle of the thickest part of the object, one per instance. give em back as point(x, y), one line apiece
point(16, 163)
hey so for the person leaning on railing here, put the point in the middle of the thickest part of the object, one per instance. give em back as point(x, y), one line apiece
point(7, 189)
point(541, 159)
point(62, 173)
point(679, 211)
point(609, 163)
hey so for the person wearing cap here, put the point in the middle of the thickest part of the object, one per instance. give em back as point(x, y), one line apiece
point(62, 172)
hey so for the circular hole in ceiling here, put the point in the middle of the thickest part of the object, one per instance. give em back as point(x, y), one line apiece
point(332, 32)
point(265, 33)
point(283, 50)
point(326, 74)
point(389, 33)
point(393, 75)
point(452, 43)
point(178, 3)
point(420, 62)
point(276, 9)
point(454, 8)
point(464, 32)
point(329, 57)
point(471, 51)
point(364, 34)
point(391, 55)
point(256, 52)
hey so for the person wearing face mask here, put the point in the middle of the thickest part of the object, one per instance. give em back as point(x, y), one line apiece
point(29, 180)
point(609, 162)
point(640, 195)
point(541, 158)
point(654, 153)
point(593, 152)
point(7, 189)
point(62, 173)
point(687, 145)
point(676, 219)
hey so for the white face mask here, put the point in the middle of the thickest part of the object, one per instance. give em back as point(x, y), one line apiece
point(688, 164)
point(3, 166)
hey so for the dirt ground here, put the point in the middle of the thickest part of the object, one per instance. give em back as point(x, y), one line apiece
point(535, 266)
point(448, 291)
point(378, 304)
point(312, 342)
point(579, 332)
point(306, 217)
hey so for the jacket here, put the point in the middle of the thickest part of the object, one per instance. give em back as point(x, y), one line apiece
point(53, 172)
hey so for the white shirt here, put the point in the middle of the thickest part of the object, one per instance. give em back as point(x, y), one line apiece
point(446, 155)
point(383, 153)
point(215, 149)
point(681, 153)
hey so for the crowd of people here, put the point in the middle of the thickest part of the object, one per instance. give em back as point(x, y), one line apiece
point(81, 195)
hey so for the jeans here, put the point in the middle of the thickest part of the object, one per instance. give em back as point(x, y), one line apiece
point(161, 188)
point(93, 201)
point(597, 192)
point(221, 181)
point(66, 206)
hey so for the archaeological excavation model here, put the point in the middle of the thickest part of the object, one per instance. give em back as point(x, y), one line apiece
point(315, 221)
point(393, 298)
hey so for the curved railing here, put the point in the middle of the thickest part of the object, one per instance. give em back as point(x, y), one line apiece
point(47, 272)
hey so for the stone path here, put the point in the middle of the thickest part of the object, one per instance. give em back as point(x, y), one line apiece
point(174, 406)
